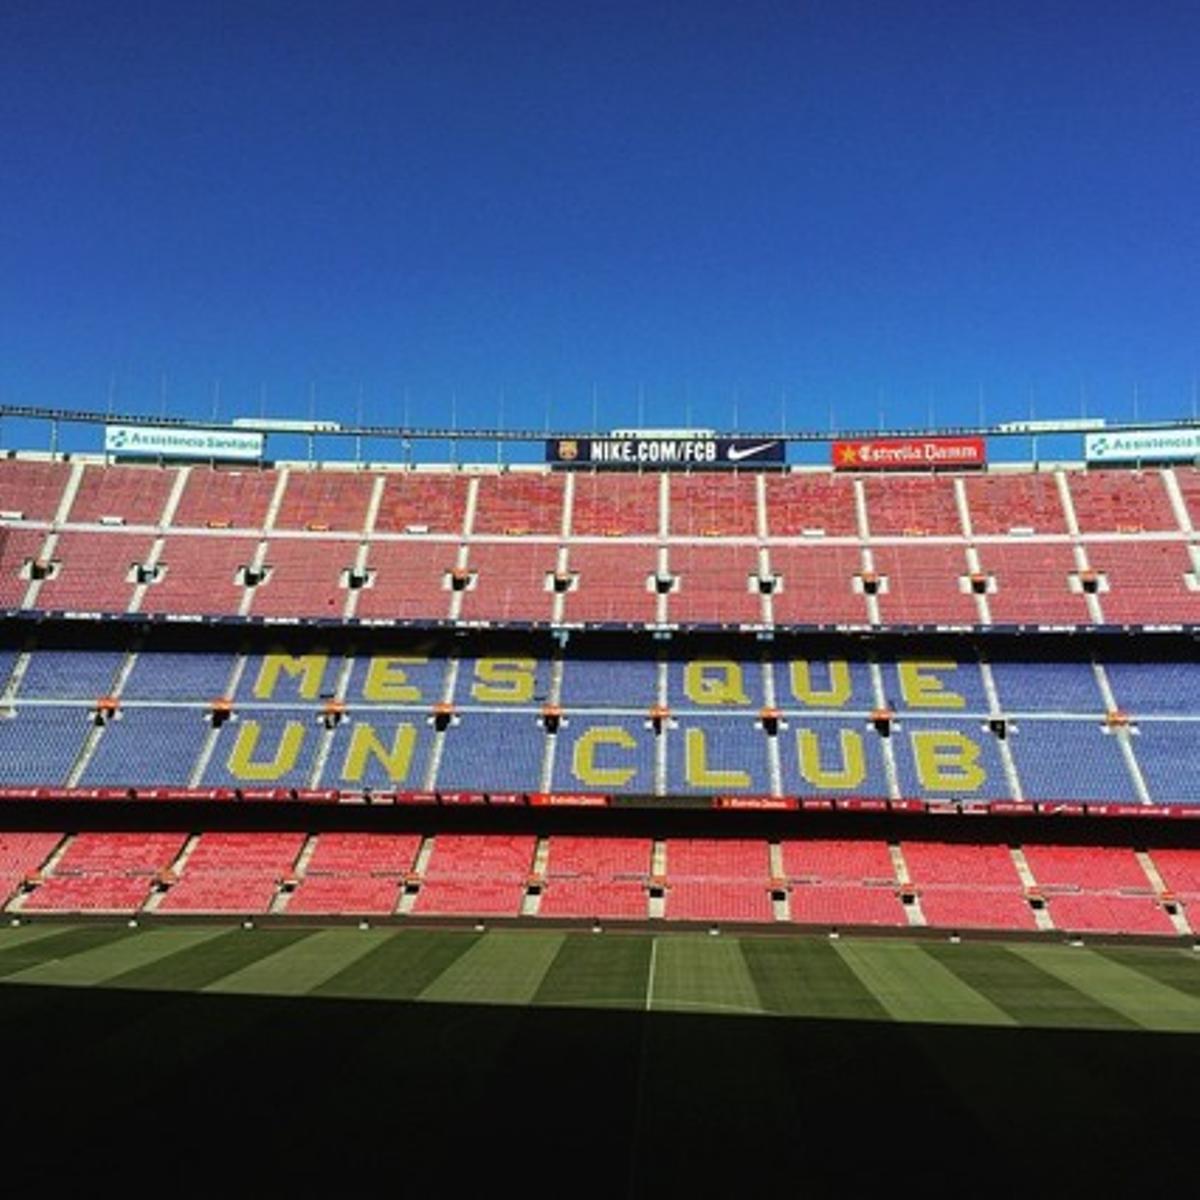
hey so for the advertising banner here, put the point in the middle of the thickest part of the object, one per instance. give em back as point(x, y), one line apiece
point(908, 454)
point(150, 441)
point(665, 453)
point(1146, 445)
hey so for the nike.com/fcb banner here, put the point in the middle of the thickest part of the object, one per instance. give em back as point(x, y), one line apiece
point(664, 453)
point(909, 454)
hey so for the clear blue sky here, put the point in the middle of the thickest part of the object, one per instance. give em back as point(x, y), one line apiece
point(788, 210)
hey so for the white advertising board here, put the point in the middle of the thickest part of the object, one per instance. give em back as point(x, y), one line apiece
point(182, 443)
point(1147, 445)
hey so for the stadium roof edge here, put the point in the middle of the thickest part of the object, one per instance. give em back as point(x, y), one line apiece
point(401, 433)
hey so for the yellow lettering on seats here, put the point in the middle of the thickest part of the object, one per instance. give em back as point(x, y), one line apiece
point(922, 690)
point(241, 757)
point(837, 693)
point(852, 770)
point(387, 680)
point(699, 774)
point(947, 761)
point(583, 760)
point(504, 680)
point(365, 746)
point(310, 668)
point(714, 681)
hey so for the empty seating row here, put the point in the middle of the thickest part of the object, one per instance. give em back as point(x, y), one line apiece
point(535, 501)
point(825, 882)
point(914, 584)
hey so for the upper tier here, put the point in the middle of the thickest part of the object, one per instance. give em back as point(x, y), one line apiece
point(527, 546)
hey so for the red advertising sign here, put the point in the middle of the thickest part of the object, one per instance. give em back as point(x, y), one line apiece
point(909, 454)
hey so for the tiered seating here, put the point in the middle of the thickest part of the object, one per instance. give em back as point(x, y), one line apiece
point(477, 875)
point(627, 504)
point(410, 580)
point(304, 579)
point(325, 500)
point(715, 585)
point(137, 495)
point(96, 573)
point(355, 873)
point(817, 585)
point(1179, 870)
point(1100, 888)
point(1154, 687)
point(511, 582)
point(1087, 868)
point(1188, 479)
point(1032, 584)
point(1120, 501)
point(1070, 760)
point(924, 586)
point(147, 744)
point(21, 854)
point(233, 872)
point(838, 882)
point(810, 501)
point(596, 877)
point(519, 502)
point(39, 745)
point(17, 547)
point(235, 498)
point(612, 584)
point(968, 886)
point(199, 575)
point(422, 501)
point(1003, 502)
point(714, 505)
point(1147, 581)
point(105, 872)
point(31, 488)
point(1106, 912)
point(712, 879)
point(470, 761)
point(912, 504)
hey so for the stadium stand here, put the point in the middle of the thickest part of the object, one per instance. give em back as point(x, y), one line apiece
point(477, 875)
point(225, 498)
point(703, 506)
point(109, 872)
point(357, 873)
point(820, 504)
point(518, 503)
point(912, 505)
point(131, 495)
point(596, 877)
point(233, 873)
point(319, 500)
point(711, 719)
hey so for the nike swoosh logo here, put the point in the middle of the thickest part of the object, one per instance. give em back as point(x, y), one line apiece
point(737, 453)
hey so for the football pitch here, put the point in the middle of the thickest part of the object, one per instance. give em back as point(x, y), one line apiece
point(664, 1064)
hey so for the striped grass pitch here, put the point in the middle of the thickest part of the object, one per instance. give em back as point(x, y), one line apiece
point(983, 983)
point(336, 1059)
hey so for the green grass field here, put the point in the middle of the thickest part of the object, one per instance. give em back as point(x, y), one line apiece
point(652, 1065)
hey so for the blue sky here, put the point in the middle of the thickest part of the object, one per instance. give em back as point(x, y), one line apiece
point(779, 213)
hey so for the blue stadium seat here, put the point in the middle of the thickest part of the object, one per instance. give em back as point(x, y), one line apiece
point(39, 743)
point(1149, 687)
point(493, 751)
point(604, 754)
point(147, 746)
point(169, 676)
point(1070, 760)
point(70, 674)
point(1048, 687)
